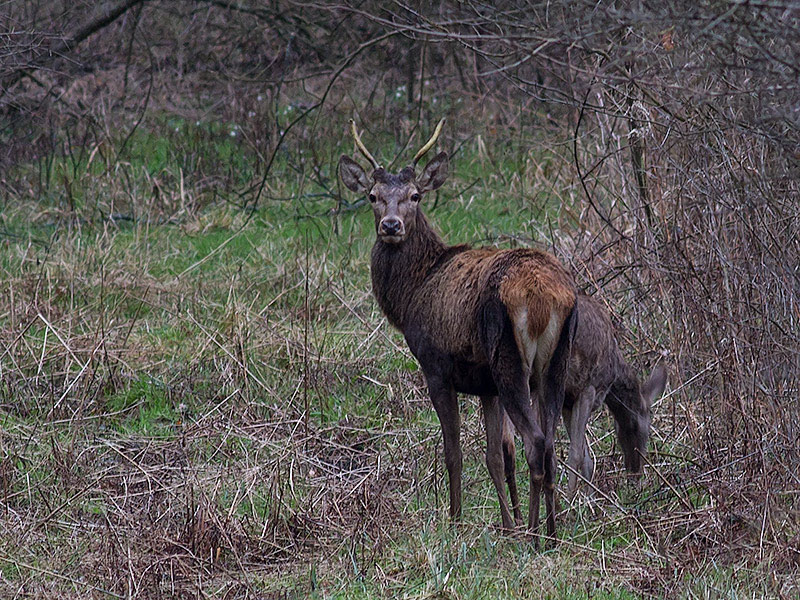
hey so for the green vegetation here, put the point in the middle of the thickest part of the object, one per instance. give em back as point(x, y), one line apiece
point(147, 407)
point(208, 377)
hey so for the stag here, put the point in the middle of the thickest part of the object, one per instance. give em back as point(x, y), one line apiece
point(598, 373)
point(493, 323)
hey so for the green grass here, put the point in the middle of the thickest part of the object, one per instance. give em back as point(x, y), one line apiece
point(147, 409)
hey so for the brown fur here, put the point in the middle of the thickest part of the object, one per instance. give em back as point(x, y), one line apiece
point(441, 287)
point(596, 359)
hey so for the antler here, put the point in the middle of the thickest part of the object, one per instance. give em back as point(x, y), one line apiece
point(361, 147)
point(424, 150)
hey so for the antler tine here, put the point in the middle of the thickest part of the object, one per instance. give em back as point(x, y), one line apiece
point(361, 147)
point(424, 150)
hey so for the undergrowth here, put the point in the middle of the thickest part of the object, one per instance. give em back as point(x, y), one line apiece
point(200, 397)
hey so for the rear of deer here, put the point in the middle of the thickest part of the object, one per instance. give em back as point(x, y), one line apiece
point(494, 323)
point(598, 372)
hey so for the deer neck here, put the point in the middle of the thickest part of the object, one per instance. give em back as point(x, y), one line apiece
point(398, 270)
point(624, 398)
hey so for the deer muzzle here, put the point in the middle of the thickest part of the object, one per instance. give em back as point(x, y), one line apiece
point(391, 227)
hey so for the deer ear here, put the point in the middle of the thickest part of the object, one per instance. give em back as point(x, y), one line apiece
point(353, 176)
point(435, 173)
point(654, 387)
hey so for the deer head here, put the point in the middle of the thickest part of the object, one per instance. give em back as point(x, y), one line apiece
point(394, 198)
point(633, 429)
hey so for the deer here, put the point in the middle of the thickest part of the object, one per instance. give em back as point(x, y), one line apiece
point(597, 373)
point(494, 323)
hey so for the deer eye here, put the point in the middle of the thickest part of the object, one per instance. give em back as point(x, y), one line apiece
point(372, 198)
point(415, 197)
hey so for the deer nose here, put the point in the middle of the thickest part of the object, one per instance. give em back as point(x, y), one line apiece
point(391, 226)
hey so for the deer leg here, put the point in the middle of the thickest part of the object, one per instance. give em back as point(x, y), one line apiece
point(545, 421)
point(511, 373)
point(493, 419)
point(572, 479)
point(510, 463)
point(549, 410)
point(587, 404)
point(551, 403)
point(549, 427)
point(445, 402)
point(576, 421)
point(521, 413)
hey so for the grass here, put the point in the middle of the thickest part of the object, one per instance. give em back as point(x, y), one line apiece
point(198, 398)
point(147, 409)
